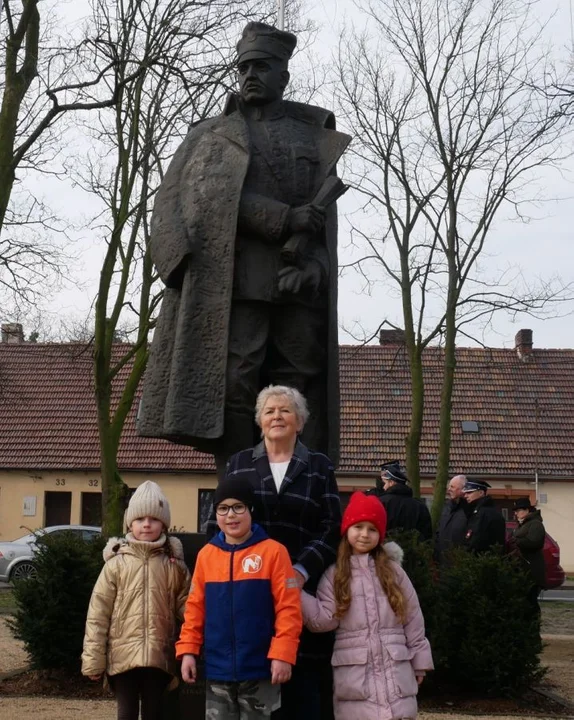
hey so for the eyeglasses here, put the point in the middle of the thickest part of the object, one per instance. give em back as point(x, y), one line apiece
point(238, 509)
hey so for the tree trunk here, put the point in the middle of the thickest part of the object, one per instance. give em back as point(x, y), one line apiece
point(17, 81)
point(8, 124)
point(6, 183)
point(413, 438)
point(413, 345)
point(114, 493)
point(445, 425)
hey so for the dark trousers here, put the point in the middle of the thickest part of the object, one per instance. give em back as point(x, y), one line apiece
point(532, 596)
point(140, 684)
point(280, 345)
point(309, 693)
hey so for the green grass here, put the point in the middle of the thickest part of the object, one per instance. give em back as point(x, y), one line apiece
point(7, 601)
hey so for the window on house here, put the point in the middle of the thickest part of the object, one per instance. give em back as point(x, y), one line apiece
point(92, 509)
point(57, 508)
point(345, 497)
point(470, 426)
point(427, 499)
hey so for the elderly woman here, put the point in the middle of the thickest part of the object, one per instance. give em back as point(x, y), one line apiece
point(528, 540)
point(297, 502)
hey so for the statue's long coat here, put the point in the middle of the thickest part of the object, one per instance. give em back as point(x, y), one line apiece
point(193, 233)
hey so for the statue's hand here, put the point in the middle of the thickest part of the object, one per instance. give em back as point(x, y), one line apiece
point(307, 218)
point(292, 279)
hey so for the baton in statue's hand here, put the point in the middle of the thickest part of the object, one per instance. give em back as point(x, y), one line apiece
point(329, 192)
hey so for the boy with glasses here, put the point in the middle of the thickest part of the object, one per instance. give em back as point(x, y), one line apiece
point(244, 610)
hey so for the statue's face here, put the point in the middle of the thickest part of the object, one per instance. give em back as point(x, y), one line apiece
point(262, 81)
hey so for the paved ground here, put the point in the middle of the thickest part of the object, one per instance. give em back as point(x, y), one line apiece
point(45, 709)
point(12, 655)
point(24, 709)
point(559, 655)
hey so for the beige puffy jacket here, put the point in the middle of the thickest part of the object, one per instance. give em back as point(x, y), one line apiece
point(135, 606)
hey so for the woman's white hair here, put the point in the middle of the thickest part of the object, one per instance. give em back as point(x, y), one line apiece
point(296, 399)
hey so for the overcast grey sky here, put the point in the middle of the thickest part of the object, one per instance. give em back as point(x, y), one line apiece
point(543, 247)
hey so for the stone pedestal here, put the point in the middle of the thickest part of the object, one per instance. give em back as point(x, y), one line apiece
point(187, 702)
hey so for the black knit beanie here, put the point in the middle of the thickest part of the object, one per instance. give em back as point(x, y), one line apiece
point(238, 488)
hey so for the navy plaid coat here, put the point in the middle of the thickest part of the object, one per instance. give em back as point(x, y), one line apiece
point(305, 515)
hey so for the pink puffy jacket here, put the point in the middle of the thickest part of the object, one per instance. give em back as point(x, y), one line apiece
point(375, 656)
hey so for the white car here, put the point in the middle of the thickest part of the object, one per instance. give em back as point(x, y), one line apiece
point(17, 556)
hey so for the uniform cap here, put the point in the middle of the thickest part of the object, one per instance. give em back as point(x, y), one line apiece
point(472, 485)
point(392, 471)
point(260, 41)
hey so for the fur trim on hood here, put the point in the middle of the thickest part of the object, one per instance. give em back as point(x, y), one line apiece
point(115, 544)
point(394, 551)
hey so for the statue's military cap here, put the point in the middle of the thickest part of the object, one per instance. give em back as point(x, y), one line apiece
point(260, 41)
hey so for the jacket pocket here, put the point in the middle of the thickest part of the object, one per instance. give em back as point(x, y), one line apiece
point(401, 670)
point(350, 677)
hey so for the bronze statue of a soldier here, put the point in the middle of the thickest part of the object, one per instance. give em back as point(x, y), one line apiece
point(245, 240)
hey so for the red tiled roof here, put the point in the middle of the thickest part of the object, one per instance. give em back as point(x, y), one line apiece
point(48, 415)
point(48, 412)
point(493, 387)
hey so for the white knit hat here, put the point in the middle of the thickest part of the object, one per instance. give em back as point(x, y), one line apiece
point(148, 500)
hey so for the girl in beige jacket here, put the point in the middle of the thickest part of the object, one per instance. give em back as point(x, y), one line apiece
point(138, 598)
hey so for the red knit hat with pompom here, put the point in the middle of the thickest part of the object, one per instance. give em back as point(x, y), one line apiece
point(363, 508)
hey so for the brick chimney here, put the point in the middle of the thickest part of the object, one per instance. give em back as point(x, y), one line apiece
point(523, 343)
point(12, 333)
point(391, 337)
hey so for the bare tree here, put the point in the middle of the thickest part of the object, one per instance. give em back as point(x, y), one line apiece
point(42, 86)
point(172, 64)
point(452, 127)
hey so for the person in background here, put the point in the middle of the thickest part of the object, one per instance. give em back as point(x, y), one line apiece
point(135, 607)
point(296, 503)
point(381, 654)
point(452, 526)
point(486, 527)
point(244, 609)
point(404, 512)
point(528, 540)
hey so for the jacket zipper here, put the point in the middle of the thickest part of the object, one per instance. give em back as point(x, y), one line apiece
point(145, 611)
point(233, 649)
point(390, 676)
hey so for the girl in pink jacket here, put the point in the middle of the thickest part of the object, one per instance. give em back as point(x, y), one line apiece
point(381, 653)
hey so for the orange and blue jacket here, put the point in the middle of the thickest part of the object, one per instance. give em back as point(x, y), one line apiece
point(243, 607)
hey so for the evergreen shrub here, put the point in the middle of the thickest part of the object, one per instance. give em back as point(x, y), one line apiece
point(483, 632)
point(52, 606)
point(492, 636)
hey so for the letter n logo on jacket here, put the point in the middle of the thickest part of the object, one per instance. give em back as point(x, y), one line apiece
point(252, 564)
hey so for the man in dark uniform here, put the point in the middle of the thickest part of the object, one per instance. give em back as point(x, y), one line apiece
point(452, 526)
point(239, 314)
point(404, 512)
point(486, 528)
